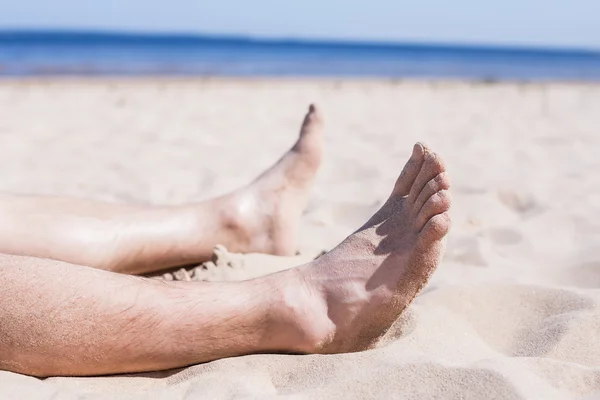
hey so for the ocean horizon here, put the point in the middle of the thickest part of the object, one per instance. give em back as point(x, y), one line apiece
point(71, 53)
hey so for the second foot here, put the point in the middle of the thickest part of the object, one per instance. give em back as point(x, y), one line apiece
point(264, 216)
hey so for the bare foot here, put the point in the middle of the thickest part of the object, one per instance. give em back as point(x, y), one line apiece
point(350, 296)
point(265, 215)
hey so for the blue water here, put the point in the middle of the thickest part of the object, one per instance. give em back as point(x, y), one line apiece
point(80, 53)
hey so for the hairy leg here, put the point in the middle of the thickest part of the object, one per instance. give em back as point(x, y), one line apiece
point(261, 217)
point(63, 319)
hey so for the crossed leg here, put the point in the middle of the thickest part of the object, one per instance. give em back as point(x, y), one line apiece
point(62, 319)
point(261, 217)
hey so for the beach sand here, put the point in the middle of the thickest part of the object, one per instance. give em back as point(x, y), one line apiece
point(512, 312)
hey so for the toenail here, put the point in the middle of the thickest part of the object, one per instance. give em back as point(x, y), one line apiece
point(418, 149)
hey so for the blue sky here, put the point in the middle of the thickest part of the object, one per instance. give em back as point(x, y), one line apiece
point(556, 23)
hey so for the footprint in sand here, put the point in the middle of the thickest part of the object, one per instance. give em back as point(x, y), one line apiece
point(355, 169)
point(527, 320)
point(558, 337)
point(521, 203)
point(504, 236)
point(346, 214)
point(478, 249)
point(470, 249)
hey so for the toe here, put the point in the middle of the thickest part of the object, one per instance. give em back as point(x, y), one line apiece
point(313, 120)
point(436, 184)
point(310, 140)
point(432, 166)
point(437, 204)
point(436, 228)
point(411, 171)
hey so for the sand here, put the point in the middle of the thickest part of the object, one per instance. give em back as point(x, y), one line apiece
point(512, 312)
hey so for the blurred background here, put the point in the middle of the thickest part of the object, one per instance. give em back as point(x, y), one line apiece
point(530, 39)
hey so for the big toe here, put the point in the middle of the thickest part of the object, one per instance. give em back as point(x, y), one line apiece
point(313, 121)
point(310, 140)
point(411, 170)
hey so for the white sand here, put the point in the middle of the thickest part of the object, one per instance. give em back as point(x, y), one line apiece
point(511, 312)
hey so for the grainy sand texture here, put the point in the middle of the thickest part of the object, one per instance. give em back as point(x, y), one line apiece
point(512, 312)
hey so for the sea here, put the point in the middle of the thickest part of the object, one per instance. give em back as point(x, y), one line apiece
point(61, 53)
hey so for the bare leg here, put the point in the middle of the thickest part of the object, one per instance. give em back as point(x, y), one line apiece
point(261, 217)
point(64, 319)
point(60, 319)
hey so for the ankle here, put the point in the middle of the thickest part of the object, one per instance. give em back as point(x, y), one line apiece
point(234, 219)
point(253, 223)
point(235, 224)
point(300, 313)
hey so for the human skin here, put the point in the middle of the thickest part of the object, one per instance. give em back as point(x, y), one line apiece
point(64, 319)
point(261, 217)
